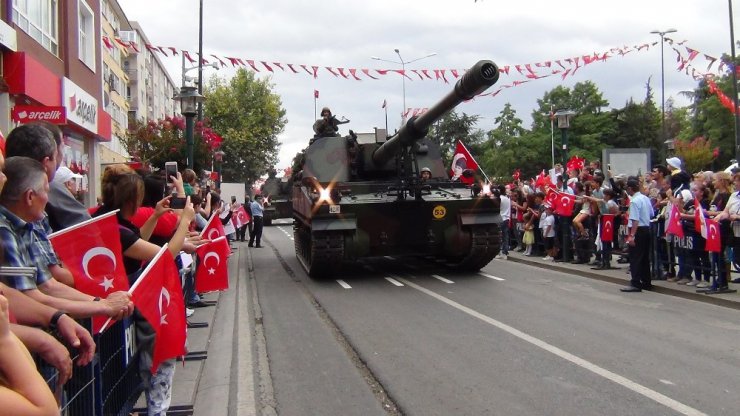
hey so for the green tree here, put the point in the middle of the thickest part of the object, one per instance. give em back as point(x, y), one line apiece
point(249, 116)
point(453, 127)
point(696, 154)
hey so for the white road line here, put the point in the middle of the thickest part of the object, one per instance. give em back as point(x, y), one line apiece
point(491, 277)
point(343, 284)
point(442, 278)
point(394, 281)
point(389, 257)
point(587, 365)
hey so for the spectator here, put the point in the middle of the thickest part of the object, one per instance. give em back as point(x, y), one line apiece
point(679, 178)
point(64, 176)
point(547, 224)
point(505, 210)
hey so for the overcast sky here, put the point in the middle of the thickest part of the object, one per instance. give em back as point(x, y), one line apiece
point(347, 33)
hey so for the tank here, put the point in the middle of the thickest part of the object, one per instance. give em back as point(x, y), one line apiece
point(359, 199)
point(277, 193)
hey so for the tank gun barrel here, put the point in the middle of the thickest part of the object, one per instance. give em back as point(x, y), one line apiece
point(476, 80)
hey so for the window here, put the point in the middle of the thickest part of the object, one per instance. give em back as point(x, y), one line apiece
point(38, 18)
point(86, 34)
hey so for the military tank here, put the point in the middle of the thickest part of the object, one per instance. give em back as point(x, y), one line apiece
point(277, 193)
point(354, 200)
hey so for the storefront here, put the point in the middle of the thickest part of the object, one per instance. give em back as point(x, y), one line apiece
point(60, 101)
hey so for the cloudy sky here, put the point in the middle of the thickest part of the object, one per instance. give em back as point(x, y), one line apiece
point(346, 34)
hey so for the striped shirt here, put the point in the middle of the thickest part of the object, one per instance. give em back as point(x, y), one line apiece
point(22, 250)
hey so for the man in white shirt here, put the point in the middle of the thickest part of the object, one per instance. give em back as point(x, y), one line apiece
point(506, 217)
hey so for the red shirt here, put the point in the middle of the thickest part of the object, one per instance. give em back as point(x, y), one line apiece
point(166, 224)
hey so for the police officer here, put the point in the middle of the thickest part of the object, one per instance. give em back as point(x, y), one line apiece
point(258, 212)
point(638, 238)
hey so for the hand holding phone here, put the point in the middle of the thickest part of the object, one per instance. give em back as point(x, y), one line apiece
point(177, 202)
point(170, 170)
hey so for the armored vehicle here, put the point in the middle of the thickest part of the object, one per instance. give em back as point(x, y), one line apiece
point(277, 192)
point(354, 200)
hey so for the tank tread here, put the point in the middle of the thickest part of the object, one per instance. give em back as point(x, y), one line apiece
point(486, 243)
point(320, 254)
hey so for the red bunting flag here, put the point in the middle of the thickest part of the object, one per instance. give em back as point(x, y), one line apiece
point(92, 252)
point(157, 294)
point(713, 244)
point(565, 204)
point(607, 227)
point(674, 223)
point(462, 161)
point(214, 229)
point(213, 271)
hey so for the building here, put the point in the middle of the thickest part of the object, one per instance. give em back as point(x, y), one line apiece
point(52, 69)
point(150, 86)
point(115, 82)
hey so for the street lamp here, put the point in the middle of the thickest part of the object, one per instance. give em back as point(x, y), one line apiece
point(403, 69)
point(736, 154)
point(189, 100)
point(219, 155)
point(662, 78)
point(564, 117)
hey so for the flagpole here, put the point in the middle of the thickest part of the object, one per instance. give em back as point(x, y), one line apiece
point(476, 162)
point(552, 136)
point(315, 116)
point(385, 107)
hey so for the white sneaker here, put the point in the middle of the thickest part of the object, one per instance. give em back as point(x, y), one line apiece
point(547, 258)
point(502, 256)
point(692, 283)
point(703, 284)
point(189, 312)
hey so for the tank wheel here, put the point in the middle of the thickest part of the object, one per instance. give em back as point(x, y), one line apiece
point(320, 254)
point(486, 243)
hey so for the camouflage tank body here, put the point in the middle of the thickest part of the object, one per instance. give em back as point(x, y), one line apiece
point(277, 192)
point(357, 200)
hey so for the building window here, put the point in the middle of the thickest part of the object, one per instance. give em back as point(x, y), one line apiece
point(86, 34)
point(40, 19)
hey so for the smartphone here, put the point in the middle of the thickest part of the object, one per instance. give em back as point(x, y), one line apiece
point(177, 203)
point(170, 170)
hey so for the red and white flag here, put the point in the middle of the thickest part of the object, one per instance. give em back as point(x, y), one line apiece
point(551, 197)
point(565, 204)
point(674, 223)
point(214, 229)
point(461, 162)
point(713, 243)
point(242, 217)
point(213, 271)
point(157, 293)
point(91, 251)
point(607, 227)
point(699, 219)
point(315, 93)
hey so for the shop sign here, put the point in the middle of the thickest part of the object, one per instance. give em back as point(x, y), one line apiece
point(82, 108)
point(8, 36)
point(28, 113)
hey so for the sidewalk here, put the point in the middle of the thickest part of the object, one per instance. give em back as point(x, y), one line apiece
point(621, 277)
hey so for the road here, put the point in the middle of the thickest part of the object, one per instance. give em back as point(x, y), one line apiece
point(399, 337)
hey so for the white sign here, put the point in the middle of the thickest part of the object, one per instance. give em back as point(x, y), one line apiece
point(8, 37)
point(82, 108)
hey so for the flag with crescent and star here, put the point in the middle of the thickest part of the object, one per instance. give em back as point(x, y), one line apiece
point(674, 223)
point(214, 229)
point(213, 271)
point(462, 161)
point(607, 227)
point(714, 243)
point(157, 293)
point(92, 252)
point(565, 204)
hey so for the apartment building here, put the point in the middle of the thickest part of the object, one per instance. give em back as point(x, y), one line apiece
point(115, 82)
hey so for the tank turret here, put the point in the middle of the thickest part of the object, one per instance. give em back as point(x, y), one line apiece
point(476, 80)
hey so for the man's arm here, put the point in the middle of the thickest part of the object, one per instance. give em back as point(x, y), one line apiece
point(115, 306)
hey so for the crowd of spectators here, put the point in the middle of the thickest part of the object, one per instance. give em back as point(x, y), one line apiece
point(532, 229)
point(38, 299)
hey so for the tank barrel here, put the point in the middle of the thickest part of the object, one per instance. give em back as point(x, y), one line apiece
point(476, 80)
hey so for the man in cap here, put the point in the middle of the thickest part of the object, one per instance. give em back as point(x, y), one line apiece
point(67, 178)
point(679, 178)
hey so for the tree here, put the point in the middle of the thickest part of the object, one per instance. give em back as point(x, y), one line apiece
point(696, 154)
point(249, 116)
point(451, 128)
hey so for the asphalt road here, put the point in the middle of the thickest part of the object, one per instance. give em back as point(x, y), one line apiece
point(400, 337)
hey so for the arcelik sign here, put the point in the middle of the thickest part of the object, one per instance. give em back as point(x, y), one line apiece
point(82, 108)
point(28, 113)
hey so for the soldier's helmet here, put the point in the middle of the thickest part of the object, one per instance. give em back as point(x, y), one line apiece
point(426, 169)
point(325, 110)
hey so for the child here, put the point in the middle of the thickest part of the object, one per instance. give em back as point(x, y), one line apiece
point(547, 224)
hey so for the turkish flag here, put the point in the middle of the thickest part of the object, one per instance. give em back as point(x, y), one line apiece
point(551, 197)
point(565, 204)
point(214, 229)
point(713, 237)
point(157, 293)
point(576, 163)
point(242, 216)
point(213, 271)
point(607, 227)
point(699, 219)
point(674, 223)
point(315, 93)
point(542, 180)
point(462, 161)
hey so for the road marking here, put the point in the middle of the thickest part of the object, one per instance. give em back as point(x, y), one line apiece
point(668, 382)
point(394, 281)
point(389, 257)
point(288, 234)
point(442, 278)
point(343, 284)
point(587, 365)
point(491, 277)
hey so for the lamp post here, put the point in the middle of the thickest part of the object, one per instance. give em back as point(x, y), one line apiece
point(189, 99)
point(736, 153)
point(219, 155)
point(403, 69)
point(564, 117)
point(662, 34)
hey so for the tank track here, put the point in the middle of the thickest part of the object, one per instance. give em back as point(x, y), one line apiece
point(486, 243)
point(320, 254)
